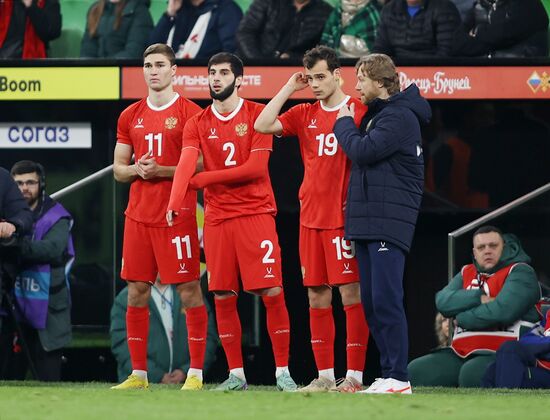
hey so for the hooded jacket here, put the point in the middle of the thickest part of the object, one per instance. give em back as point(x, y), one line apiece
point(515, 301)
point(387, 175)
point(13, 207)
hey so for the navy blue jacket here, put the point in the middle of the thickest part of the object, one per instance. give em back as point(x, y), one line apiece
point(220, 34)
point(13, 207)
point(387, 175)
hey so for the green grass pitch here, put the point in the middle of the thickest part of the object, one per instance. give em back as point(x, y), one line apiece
point(80, 401)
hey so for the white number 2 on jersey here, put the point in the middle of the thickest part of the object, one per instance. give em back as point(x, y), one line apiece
point(345, 249)
point(151, 138)
point(328, 144)
point(229, 159)
point(267, 257)
point(178, 240)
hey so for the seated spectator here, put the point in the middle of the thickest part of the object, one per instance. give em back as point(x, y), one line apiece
point(491, 300)
point(198, 28)
point(44, 309)
point(116, 29)
point(524, 363)
point(504, 28)
point(351, 27)
point(26, 27)
point(167, 350)
point(417, 28)
point(281, 28)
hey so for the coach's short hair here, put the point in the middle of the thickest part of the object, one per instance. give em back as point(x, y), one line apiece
point(165, 50)
point(380, 68)
point(319, 53)
point(234, 62)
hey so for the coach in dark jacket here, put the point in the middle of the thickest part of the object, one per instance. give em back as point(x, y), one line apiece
point(504, 28)
point(417, 28)
point(384, 196)
point(281, 28)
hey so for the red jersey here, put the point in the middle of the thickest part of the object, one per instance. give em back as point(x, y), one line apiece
point(326, 167)
point(159, 130)
point(226, 141)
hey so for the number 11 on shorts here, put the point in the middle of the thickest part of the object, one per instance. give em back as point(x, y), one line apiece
point(178, 241)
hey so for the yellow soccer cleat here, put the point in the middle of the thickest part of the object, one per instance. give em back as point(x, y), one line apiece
point(133, 382)
point(192, 383)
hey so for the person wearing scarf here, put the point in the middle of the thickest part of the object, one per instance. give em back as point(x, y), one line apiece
point(351, 27)
point(26, 27)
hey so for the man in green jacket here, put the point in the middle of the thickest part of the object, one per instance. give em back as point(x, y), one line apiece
point(41, 290)
point(492, 301)
point(167, 359)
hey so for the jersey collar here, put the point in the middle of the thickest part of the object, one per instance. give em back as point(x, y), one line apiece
point(163, 107)
point(227, 117)
point(335, 108)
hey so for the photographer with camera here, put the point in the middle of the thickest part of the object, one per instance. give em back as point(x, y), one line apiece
point(41, 289)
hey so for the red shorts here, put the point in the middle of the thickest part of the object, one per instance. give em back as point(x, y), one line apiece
point(327, 258)
point(172, 252)
point(247, 246)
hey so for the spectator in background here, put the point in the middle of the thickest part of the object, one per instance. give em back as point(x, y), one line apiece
point(464, 7)
point(281, 28)
point(26, 27)
point(441, 327)
point(504, 28)
point(417, 28)
point(198, 28)
point(351, 27)
point(116, 29)
point(45, 260)
point(167, 349)
point(492, 300)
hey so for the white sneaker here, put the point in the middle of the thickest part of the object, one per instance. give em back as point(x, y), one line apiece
point(374, 386)
point(389, 386)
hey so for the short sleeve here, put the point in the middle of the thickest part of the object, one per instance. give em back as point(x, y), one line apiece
point(291, 120)
point(192, 109)
point(122, 131)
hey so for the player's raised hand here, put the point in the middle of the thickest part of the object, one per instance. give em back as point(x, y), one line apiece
point(346, 111)
point(170, 215)
point(297, 81)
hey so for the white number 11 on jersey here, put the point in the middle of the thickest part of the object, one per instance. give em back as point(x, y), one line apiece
point(151, 138)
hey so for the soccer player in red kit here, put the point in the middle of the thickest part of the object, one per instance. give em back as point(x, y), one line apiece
point(240, 239)
point(151, 129)
point(327, 259)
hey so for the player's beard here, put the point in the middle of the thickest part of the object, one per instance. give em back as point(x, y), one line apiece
point(224, 94)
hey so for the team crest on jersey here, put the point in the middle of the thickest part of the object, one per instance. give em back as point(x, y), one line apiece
point(241, 129)
point(313, 123)
point(347, 269)
point(139, 123)
point(269, 273)
point(182, 269)
point(171, 122)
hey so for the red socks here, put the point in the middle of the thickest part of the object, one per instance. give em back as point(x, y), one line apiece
point(357, 332)
point(229, 330)
point(278, 326)
point(197, 326)
point(321, 324)
point(137, 331)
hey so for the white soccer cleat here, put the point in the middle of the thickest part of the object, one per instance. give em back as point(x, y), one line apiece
point(388, 386)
